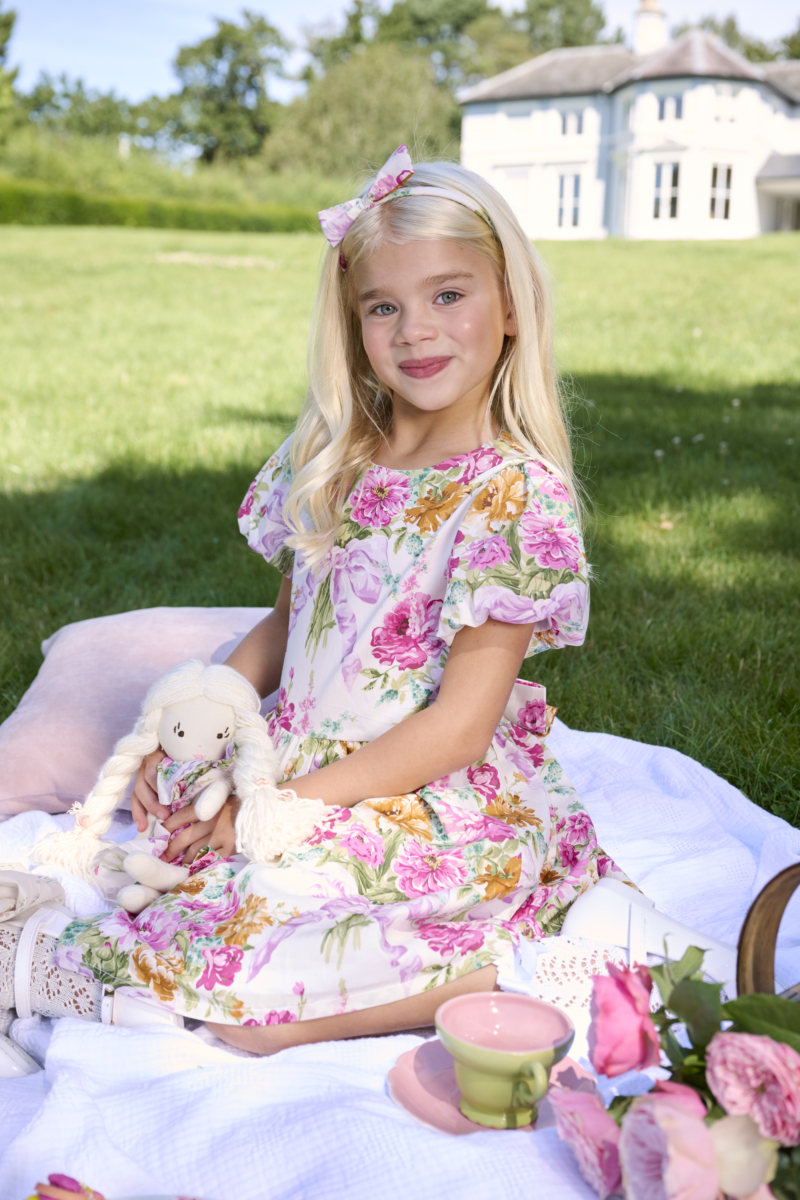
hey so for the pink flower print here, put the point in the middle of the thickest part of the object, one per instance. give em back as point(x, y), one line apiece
point(549, 541)
point(567, 853)
point(455, 558)
point(466, 827)
point(122, 927)
point(533, 751)
point(490, 552)
point(299, 988)
point(69, 958)
point(408, 636)
point(379, 496)
point(325, 830)
point(364, 845)
point(475, 463)
point(247, 503)
point(485, 780)
point(282, 715)
point(579, 827)
point(533, 716)
point(157, 927)
point(454, 936)
point(422, 868)
point(276, 1017)
point(222, 964)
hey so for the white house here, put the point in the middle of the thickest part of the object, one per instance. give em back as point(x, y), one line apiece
point(682, 139)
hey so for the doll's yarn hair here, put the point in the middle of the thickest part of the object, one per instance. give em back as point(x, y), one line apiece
point(77, 849)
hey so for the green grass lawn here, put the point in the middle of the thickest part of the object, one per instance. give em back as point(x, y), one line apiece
point(140, 394)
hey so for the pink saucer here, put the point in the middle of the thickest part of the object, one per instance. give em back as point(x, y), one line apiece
point(423, 1082)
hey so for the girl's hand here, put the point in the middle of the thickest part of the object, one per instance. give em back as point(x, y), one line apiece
point(145, 797)
point(217, 834)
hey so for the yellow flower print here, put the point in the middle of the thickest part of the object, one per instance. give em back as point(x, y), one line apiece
point(158, 970)
point(429, 513)
point(502, 500)
point(512, 812)
point(405, 812)
point(501, 882)
point(251, 919)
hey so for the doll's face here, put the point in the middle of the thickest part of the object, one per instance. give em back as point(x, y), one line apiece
point(198, 728)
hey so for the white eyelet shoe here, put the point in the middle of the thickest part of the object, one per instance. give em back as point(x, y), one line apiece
point(614, 913)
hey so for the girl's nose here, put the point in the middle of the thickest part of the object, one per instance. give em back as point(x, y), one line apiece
point(415, 327)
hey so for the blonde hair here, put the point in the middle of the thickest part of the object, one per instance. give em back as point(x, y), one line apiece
point(346, 414)
point(269, 821)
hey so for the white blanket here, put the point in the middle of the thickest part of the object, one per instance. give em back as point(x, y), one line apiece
point(150, 1112)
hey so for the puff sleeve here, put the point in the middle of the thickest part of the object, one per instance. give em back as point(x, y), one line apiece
point(518, 556)
point(261, 514)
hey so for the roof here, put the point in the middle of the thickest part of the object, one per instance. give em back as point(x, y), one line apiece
point(573, 71)
point(781, 166)
point(785, 76)
point(586, 70)
point(696, 53)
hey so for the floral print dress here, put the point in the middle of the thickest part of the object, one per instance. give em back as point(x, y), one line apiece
point(398, 894)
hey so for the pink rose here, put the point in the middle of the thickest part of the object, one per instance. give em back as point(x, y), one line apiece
point(753, 1075)
point(485, 780)
point(222, 964)
point(379, 496)
point(532, 716)
point(666, 1151)
point(422, 868)
point(408, 635)
point(621, 1036)
point(276, 1017)
point(593, 1136)
point(549, 541)
point(491, 552)
point(247, 503)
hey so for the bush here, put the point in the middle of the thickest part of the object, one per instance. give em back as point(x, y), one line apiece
point(24, 203)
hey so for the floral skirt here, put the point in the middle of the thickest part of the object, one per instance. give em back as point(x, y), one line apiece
point(389, 898)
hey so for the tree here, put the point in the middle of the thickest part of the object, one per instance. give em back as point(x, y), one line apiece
point(497, 42)
point(555, 23)
point(68, 106)
point(360, 110)
point(223, 106)
point(436, 28)
point(728, 30)
point(790, 45)
point(326, 50)
point(7, 78)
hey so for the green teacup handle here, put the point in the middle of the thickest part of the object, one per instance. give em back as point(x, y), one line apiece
point(524, 1096)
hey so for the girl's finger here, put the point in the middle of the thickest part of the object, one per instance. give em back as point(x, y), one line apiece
point(188, 837)
point(184, 816)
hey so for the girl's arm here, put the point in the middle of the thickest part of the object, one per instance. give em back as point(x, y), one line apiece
point(451, 733)
point(259, 657)
point(260, 654)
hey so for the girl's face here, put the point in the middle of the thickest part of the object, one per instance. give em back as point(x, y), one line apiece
point(433, 321)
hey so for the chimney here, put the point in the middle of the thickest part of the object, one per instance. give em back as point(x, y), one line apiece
point(649, 28)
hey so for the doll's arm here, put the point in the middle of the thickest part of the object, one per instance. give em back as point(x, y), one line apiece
point(450, 734)
point(214, 794)
point(260, 654)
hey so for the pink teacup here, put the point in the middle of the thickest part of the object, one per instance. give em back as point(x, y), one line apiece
point(504, 1046)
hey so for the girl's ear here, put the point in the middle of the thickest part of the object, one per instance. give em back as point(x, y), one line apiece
point(510, 327)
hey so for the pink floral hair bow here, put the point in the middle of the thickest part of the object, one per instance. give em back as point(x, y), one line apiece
point(395, 171)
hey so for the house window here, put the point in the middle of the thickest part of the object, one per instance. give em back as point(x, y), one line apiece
point(564, 124)
point(665, 203)
point(571, 123)
point(721, 175)
point(569, 200)
point(670, 108)
point(579, 123)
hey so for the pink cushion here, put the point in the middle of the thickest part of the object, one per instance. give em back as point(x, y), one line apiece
point(89, 691)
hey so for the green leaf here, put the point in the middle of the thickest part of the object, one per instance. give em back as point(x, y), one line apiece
point(767, 1015)
point(698, 1006)
point(672, 1048)
point(690, 964)
point(663, 982)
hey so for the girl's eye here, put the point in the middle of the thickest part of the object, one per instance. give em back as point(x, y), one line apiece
point(448, 297)
point(384, 310)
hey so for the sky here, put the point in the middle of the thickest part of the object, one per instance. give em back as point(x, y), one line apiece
point(128, 44)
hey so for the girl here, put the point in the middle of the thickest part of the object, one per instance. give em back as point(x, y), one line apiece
point(425, 520)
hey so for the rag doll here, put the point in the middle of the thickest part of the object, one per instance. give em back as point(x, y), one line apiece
point(207, 721)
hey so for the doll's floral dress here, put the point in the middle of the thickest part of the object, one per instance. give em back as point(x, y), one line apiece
point(397, 894)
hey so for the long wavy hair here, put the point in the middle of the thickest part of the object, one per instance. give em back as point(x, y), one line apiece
point(347, 414)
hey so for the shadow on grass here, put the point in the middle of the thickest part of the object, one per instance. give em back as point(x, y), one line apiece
point(693, 639)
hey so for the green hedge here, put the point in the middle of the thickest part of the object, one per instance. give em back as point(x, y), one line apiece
point(26, 203)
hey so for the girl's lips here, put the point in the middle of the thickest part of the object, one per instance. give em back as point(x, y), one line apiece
point(423, 368)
